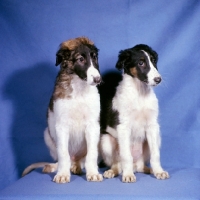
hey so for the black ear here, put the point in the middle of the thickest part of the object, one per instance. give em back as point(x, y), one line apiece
point(123, 59)
point(59, 58)
point(155, 55)
point(62, 54)
point(93, 48)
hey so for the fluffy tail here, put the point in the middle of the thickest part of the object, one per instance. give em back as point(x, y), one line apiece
point(47, 167)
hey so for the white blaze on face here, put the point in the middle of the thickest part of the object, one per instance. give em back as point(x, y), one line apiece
point(153, 73)
point(92, 73)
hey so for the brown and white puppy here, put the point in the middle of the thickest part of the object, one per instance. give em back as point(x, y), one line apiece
point(130, 118)
point(73, 130)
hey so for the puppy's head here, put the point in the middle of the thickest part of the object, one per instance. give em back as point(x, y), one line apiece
point(80, 56)
point(140, 62)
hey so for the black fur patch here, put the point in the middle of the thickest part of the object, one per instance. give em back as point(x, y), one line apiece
point(135, 58)
point(135, 63)
point(107, 90)
point(82, 60)
point(78, 60)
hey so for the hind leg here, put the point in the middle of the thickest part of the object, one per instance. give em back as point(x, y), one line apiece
point(109, 152)
point(50, 144)
point(140, 166)
point(51, 167)
point(76, 168)
point(115, 170)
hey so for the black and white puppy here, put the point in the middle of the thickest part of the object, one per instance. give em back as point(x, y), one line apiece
point(130, 118)
point(73, 130)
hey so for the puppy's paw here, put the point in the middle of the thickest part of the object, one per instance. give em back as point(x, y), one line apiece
point(61, 178)
point(94, 177)
point(76, 169)
point(162, 175)
point(129, 178)
point(109, 174)
point(48, 169)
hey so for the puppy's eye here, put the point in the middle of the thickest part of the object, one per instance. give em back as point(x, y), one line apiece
point(141, 63)
point(81, 59)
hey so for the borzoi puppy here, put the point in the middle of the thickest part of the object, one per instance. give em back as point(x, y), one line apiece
point(130, 118)
point(73, 130)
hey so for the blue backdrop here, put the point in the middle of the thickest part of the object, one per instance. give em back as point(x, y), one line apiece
point(30, 34)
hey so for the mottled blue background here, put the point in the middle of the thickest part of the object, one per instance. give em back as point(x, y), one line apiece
point(30, 32)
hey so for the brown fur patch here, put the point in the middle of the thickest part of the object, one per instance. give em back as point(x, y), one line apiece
point(63, 86)
point(133, 71)
point(74, 43)
point(62, 89)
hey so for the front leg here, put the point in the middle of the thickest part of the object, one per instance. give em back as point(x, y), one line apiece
point(62, 140)
point(92, 139)
point(125, 154)
point(154, 140)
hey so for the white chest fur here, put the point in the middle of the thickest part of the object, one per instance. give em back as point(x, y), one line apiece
point(137, 105)
point(74, 114)
point(81, 107)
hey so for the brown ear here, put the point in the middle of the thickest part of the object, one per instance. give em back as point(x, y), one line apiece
point(62, 54)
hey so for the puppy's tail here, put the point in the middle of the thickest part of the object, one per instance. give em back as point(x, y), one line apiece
point(47, 167)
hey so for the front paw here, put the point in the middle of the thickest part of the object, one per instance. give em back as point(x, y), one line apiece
point(94, 177)
point(61, 178)
point(129, 178)
point(162, 175)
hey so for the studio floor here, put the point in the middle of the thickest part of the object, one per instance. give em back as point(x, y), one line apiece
point(182, 184)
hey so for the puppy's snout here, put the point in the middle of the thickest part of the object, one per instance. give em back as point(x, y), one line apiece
point(97, 79)
point(157, 79)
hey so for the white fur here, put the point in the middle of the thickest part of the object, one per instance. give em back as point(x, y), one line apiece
point(74, 130)
point(122, 149)
point(92, 73)
point(153, 73)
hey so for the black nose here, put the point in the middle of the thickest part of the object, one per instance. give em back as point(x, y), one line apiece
point(157, 80)
point(97, 79)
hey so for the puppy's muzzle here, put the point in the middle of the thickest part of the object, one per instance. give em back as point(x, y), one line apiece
point(97, 80)
point(157, 80)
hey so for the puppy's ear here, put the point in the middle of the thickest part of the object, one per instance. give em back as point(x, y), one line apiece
point(58, 58)
point(155, 56)
point(123, 59)
point(61, 55)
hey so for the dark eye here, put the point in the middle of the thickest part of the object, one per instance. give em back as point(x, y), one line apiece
point(81, 59)
point(141, 63)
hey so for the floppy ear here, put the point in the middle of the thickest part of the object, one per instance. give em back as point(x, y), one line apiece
point(155, 55)
point(123, 59)
point(58, 58)
point(62, 54)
